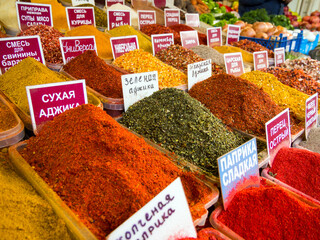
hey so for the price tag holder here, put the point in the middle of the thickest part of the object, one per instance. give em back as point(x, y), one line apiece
point(311, 119)
point(171, 17)
point(234, 63)
point(189, 39)
point(109, 3)
point(138, 86)
point(122, 45)
point(214, 37)
point(278, 134)
point(49, 100)
point(15, 49)
point(161, 41)
point(260, 60)
point(146, 18)
point(192, 19)
point(279, 56)
point(233, 33)
point(30, 14)
point(238, 170)
point(71, 47)
point(80, 2)
point(198, 72)
point(166, 216)
point(77, 16)
point(118, 18)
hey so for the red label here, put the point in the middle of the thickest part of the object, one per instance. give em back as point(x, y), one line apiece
point(278, 133)
point(117, 18)
point(161, 41)
point(279, 56)
point(214, 37)
point(74, 46)
point(15, 49)
point(111, 2)
point(146, 18)
point(171, 17)
point(192, 19)
point(260, 60)
point(311, 113)
point(159, 3)
point(189, 39)
point(80, 16)
point(49, 100)
point(234, 63)
point(30, 14)
point(233, 34)
point(122, 45)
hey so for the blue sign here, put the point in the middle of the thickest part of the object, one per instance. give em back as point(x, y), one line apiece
point(238, 169)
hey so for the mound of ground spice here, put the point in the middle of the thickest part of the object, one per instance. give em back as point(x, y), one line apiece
point(182, 27)
point(98, 75)
point(252, 47)
point(103, 172)
point(7, 118)
point(158, 29)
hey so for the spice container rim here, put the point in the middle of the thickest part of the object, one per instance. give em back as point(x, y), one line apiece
point(54, 66)
point(213, 219)
point(14, 134)
point(265, 174)
point(76, 227)
point(297, 141)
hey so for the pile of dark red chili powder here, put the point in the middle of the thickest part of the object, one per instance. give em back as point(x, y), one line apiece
point(269, 212)
point(298, 168)
point(103, 172)
point(98, 75)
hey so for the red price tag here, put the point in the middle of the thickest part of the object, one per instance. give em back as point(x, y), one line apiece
point(214, 36)
point(278, 133)
point(118, 18)
point(77, 16)
point(189, 39)
point(111, 2)
point(192, 19)
point(122, 45)
point(279, 56)
point(161, 41)
point(171, 17)
point(260, 60)
point(146, 18)
point(311, 119)
point(15, 49)
point(30, 14)
point(233, 34)
point(234, 63)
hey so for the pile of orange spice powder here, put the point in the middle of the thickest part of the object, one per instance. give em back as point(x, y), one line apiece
point(103, 172)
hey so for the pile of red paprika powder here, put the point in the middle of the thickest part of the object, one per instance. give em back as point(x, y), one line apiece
point(270, 212)
point(103, 172)
point(299, 169)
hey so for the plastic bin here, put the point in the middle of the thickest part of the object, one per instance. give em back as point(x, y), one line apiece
point(12, 135)
point(304, 46)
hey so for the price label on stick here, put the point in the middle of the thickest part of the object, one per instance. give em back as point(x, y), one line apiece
point(311, 119)
point(238, 169)
point(166, 216)
point(138, 86)
point(112, 2)
point(118, 18)
point(161, 41)
point(234, 63)
point(279, 56)
point(171, 17)
point(80, 2)
point(122, 45)
point(278, 133)
point(189, 39)
point(48, 100)
point(233, 33)
point(146, 18)
point(71, 47)
point(30, 14)
point(214, 37)
point(198, 72)
point(77, 16)
point(192, 19)
point(15, 49)
point(260, 60)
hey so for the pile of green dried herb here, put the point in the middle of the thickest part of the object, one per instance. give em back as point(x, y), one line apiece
point(181, 124)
